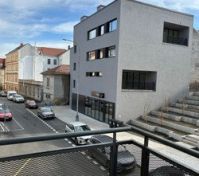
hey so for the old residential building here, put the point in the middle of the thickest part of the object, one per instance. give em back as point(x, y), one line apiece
point(56, 84)
point(128, 58)
point(11, 71)
point(34, 61)
point(2, 73)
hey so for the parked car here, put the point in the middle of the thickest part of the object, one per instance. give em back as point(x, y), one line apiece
point(18, 98)
point(78, 127)
point(46, 113)
point(3, 93)
point(10, 95)
point(5, 114)
point(31, 104)
point(125, 160)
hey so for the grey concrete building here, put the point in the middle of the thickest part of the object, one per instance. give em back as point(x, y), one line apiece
point(195, 57)
point(129, 58)
point(56, 84)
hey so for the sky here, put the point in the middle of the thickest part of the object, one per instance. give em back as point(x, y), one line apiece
point(47, 22)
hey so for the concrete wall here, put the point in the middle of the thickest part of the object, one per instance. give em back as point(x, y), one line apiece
point(195, 56)
point(48, 89)
point(141, 47)
point(106, 83)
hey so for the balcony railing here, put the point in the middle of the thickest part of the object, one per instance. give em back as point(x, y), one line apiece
point(34, 163)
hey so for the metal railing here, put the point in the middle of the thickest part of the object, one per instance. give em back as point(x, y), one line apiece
point(146, 150)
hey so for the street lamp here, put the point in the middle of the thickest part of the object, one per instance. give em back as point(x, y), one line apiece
point(77, 83)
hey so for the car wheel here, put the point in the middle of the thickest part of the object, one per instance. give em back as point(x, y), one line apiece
point(76, 141)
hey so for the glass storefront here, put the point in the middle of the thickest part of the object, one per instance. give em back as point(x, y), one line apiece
point(96, 108)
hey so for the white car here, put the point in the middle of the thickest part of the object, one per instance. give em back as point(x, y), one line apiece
point(78, 127)
point(18, 98)
point(10, 94)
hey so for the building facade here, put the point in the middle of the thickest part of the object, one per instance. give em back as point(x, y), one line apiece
point(125, 60)
point(33, 61)
point(12, 67)
point(2, 73)
point(195, 57)
point(56, 84)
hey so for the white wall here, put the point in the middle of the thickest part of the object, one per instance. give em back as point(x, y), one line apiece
point(141, 47)
point(65, 58)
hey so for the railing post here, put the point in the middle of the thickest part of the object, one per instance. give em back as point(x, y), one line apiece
point(113, 157)
point(145, 158)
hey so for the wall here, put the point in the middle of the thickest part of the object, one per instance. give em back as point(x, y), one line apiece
point(141, 48)
point(65, 58)
point(48, 89)
point(108, 67)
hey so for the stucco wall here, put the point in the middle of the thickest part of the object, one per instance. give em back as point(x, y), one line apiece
point(141, 47)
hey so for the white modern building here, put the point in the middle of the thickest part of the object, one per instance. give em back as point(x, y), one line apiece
point(129, 58)
point(33, 61)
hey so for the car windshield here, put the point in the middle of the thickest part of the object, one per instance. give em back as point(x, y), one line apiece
point(18, 96)
point(12, 94)
point(82, 128)
point(4, 110)
point(46, 109)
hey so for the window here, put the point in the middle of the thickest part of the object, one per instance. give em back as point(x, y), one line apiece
point(143, 80)
point(112, 25)
point(48, 96)
point(49, 61)
point(55, 62)
point(74, 83)
point(74, 66)
point(175, 34)
point(101, 30)
point(75, 48)
point(47, 82)
point(111, 51)
point(94, 74)
point(91, 55)
point(92, 34)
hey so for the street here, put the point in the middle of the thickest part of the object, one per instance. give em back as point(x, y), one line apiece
point(26, 123)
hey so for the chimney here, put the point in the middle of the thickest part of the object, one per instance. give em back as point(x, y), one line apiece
point(83, 18)
point(100, 7)
point(68, 47)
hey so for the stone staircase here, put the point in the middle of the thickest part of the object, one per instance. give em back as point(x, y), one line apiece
point(178, 121)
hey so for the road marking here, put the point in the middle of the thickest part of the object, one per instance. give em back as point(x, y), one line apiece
point(95, 162)
point(6, 128)
point(102, 168)
point(88, 157)
point(2, 127)
point(49, 126)
point(18, 124)
point(22, 167)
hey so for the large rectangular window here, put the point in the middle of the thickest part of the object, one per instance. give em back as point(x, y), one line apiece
point(91, 55)
point(175, 34)
point(111, 51)
point(143, 80)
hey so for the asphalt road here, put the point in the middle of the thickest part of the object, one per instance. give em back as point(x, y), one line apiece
point(26, 123)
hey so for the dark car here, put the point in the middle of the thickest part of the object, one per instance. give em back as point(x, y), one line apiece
point(125, 160)
point(5, 113)
point(31, 104)
point(3, 94)
point(46, 113)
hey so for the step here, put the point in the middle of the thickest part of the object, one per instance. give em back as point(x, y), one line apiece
point(190, 102)
point(143, 125)
point(181, 111)
point(176, 118)
point(191, 97)
point(166, 115)
point(196, 94)
point(172, 125)
point(186, 106)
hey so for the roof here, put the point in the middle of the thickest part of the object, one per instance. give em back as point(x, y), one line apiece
point(138, 2)
point(50, 51)
point(59, 70)
point(16, 49)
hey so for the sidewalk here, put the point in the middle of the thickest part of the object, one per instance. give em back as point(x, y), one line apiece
point(65, 114)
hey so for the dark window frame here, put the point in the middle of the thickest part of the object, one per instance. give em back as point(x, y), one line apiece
point(55, 61)
point(74, 66)
point(49, 61)
point(74, 83)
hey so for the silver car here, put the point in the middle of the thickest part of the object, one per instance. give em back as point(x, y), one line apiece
point(78, 127)
point(18, 98)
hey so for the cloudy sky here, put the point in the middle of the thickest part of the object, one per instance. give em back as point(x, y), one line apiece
point(47, 22)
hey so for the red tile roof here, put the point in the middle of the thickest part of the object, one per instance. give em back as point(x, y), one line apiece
point(50, 51)
point(59, 70)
